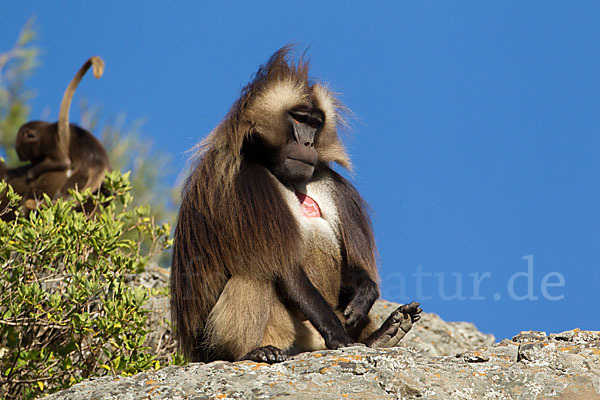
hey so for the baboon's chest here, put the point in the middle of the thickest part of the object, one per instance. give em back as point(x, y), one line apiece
point(322, 255)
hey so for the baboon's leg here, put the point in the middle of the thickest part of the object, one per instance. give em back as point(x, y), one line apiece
point(236, 325)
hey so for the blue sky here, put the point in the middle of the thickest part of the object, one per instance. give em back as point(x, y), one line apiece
point(476, 136)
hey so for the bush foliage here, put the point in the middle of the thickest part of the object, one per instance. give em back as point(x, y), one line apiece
point(128, 147)
point(66, 311)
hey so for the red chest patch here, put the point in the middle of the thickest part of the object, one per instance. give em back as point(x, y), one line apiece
point(308, 206)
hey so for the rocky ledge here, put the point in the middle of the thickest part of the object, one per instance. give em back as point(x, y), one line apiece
point(438, 360)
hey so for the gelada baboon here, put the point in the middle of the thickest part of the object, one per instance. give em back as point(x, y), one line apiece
point(62, 155)
point(274, 252)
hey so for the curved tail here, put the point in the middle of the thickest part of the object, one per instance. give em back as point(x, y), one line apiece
point(65, 105)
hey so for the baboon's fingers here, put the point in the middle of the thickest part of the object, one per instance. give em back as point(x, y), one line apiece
point(267, 354)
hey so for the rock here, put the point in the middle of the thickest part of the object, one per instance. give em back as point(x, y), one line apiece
point(437, 360)
point(563, 368)
point(529, 336)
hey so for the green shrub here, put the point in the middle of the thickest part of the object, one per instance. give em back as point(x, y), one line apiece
point(66, 311)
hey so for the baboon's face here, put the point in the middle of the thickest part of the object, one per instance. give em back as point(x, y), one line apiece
point(295, 162)
point(31, 139)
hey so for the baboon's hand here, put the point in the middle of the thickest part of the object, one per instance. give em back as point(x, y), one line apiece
point(357, 310)
point(338, 341)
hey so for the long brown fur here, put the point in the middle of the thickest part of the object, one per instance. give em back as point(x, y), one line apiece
point(236, 233)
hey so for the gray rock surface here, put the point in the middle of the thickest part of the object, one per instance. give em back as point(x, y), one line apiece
point(437, 360)
point(562, 366)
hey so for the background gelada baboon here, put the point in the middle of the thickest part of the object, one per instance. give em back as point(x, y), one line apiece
point(62, 155)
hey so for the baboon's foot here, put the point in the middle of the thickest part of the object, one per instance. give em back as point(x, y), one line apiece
point(398, 324)
point(267, 354)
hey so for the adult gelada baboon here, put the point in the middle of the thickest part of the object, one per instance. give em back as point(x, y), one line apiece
point(63, 155)
point(274, 252)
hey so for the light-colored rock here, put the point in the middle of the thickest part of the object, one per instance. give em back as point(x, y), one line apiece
point(437, 360)
point(568, 368)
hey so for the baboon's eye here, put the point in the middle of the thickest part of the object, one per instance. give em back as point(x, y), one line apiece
point(310, 116)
